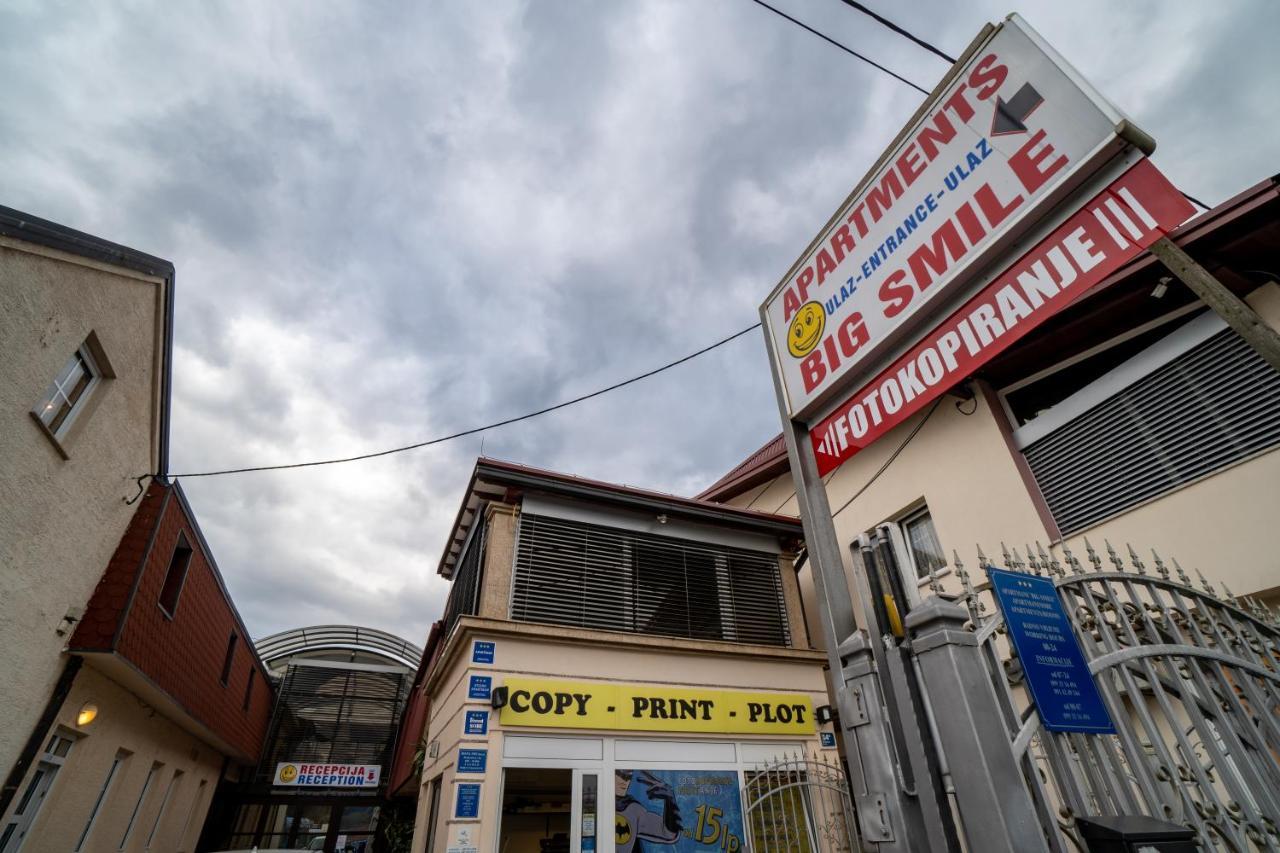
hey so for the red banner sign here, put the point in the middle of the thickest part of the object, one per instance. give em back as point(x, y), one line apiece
point(1111, 229)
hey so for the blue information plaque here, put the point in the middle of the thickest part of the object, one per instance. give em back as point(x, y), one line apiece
point(468, 802)
point(482, 651)
point(477, 723)
point(1059, 679)
point(828, 740)
point(479, 687)
point(472, 760)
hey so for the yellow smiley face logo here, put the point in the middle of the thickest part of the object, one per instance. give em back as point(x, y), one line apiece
point(806, 329)
point(288, 773)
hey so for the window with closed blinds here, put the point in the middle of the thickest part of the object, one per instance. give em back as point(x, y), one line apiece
point(590, 576)
point(1215, 404)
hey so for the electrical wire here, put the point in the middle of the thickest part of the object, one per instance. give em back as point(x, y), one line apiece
point(474, 430)
point(899, 30)
point(892, 456)
point(847, 50)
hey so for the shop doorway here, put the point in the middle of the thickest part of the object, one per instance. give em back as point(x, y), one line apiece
point(537, 810)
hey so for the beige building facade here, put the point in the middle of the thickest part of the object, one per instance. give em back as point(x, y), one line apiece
point(131, 688)
point(70, 303)
point(612, 667)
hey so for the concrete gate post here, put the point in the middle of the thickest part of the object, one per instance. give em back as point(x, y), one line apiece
point(996, 811)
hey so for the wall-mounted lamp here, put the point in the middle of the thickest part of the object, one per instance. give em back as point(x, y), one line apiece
point(498, 697)
point(88, 713)
point(823, 714)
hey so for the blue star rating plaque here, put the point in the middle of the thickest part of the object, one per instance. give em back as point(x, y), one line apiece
point(476, 723)
point(479, 687)
point(482, 651)
point(1057, 675)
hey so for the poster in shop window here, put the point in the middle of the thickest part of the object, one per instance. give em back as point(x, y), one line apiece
point(687, 811)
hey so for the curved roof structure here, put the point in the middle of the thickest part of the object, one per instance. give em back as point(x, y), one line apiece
point(338, 637)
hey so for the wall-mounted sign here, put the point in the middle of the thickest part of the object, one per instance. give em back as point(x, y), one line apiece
point(464, 839)
point(1015, 131)
point(1064, 691)
point(479, 687)
point(467, 803)
point(482, 651)
point(476, 723)
point(646, 707)
point(828, 740)
point(472, 760)
point(308, 774)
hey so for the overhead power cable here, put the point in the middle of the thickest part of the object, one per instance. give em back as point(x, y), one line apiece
point(899, 30)
point(478, 429)
point(847, 50)
point(892, 456)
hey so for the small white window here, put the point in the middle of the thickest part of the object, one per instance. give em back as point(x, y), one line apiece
point(923, 547)
point(67, 395)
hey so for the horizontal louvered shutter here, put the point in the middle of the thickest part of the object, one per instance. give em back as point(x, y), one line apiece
point(590, 576)
point(1215, 404)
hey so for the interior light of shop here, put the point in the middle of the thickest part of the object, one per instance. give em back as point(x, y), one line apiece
point(88, 713)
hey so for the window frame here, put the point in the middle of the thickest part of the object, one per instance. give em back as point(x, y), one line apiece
point(96, 364)
point(181, 545)
point(228, 661)
point(912, 583)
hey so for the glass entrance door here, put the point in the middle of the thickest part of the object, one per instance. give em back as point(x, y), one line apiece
point(537, 810)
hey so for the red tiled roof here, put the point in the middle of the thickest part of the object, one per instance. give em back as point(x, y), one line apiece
point(765, 464)
point(182, 654)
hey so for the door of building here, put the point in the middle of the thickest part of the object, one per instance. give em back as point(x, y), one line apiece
point(549, 810)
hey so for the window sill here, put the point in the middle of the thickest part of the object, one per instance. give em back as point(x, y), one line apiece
point(940, 573)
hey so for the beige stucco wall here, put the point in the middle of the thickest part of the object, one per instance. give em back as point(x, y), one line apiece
point(61, 518)
point(536, 651)
point(124, 723)
point(962, 468)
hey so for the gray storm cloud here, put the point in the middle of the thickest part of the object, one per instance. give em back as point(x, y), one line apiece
point(393, 221)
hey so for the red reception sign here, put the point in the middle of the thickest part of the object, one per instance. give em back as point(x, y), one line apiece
point(1108, 231)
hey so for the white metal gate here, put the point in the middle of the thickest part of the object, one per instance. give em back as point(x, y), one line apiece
point(800, 804)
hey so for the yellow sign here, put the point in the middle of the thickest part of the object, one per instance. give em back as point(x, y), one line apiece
point(645, 707)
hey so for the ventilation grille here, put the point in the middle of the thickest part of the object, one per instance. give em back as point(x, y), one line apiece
point(1213, 405)
point(570, 573)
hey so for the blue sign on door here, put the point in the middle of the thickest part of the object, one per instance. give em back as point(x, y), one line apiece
point(477, 723)
point(482, 651)
point(479, 687)
point(468, 802)
point(1059, 679)
point(472, 760)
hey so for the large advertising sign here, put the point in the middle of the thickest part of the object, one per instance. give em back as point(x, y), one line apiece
point(687, 811)
point(1110, 230)
point(645, 707)
point(1013, 133)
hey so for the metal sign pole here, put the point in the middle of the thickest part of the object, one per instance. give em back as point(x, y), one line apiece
point(839, 626)
point(1239, 316)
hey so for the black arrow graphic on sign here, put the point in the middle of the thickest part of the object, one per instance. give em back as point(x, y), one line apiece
point(1011, 114)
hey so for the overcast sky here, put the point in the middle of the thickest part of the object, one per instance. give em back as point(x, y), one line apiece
point(397, 220)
